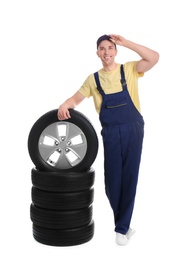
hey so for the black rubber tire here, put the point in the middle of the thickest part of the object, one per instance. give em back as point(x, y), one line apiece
point(62, 201)
point(69, 237)
point(54, 219)
point(60, 182)
point(77, 119)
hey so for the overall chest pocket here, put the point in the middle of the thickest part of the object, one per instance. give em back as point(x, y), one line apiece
point(113, 104)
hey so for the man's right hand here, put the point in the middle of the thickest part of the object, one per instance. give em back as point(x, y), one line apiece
point(63, 112)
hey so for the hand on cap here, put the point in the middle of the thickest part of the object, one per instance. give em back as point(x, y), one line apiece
point(117, 39)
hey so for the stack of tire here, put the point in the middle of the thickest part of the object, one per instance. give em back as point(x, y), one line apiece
point(62, 180)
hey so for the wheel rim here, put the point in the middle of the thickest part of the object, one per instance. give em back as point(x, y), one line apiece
point(62, 145)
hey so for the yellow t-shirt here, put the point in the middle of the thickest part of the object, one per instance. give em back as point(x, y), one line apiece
point(110, 83)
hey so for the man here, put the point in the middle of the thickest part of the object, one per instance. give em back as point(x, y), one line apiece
point(114, 89)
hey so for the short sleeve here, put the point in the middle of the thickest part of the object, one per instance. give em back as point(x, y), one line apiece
point(85, 89)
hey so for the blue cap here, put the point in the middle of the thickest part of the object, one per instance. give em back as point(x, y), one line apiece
point(102, 38)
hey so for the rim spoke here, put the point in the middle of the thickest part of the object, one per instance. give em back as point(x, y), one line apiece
point(79, 150)
point(63, 162)
point(73, 131)
point(47, 151)
point(51, 131)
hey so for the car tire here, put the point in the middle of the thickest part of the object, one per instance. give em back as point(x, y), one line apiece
point(60, 182)
point(58, 219)
point(68, 145)
point(68, 237)
point(62, 201)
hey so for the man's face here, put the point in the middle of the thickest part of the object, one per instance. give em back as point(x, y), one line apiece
point(106, 52)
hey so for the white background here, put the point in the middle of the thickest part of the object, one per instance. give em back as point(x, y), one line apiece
point(47, 49)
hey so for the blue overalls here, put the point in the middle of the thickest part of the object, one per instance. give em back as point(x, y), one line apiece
point(122, 133)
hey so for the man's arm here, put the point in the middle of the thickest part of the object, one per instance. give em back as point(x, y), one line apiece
point(72, 102)
point(149, 57)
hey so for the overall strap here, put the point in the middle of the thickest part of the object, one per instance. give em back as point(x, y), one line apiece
point(123, 80)
point(96, 76)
